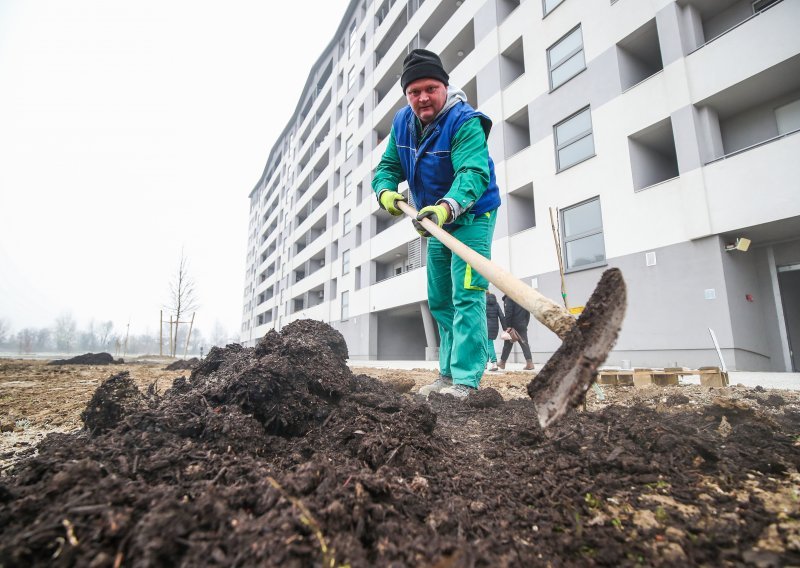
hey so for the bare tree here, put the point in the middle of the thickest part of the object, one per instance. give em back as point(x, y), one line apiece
point(182, 300)
point(43, 339)
point(87, 340)
point(65, 330)
point(25, 338)
point(104, 333)
point(5, 329)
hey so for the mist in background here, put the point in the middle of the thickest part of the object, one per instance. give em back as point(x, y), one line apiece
point(132, 132)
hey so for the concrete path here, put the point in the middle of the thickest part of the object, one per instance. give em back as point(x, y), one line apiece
point(790, 381)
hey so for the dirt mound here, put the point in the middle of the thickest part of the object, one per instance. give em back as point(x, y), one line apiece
point(183, 364)
point(279, 456)
point(89, 359)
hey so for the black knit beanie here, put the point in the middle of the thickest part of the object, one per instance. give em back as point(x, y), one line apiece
point(422, 64)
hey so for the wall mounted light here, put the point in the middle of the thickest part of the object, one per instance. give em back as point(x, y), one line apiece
point(741, 244)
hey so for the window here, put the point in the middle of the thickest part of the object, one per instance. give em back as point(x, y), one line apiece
point(347, 222)
point(348, 183)
point(654, 158)
point(788, 117)
point(349, 147)
point(351, 111)
point(512, 63)
point(548, 5)
point(351, 77)
point(574, 140)
point(353, 39)
point(582, 235)
point(345, 305)
point(345, 261)
point(565, 58)
point(761, 5)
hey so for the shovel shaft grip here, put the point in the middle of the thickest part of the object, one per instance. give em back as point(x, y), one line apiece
point(552, 315)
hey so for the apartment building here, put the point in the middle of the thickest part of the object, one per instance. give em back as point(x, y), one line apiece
point(659, 137)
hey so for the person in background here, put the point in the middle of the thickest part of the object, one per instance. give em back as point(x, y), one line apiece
point(438, 144)
point(516, 320)
point(494, 320)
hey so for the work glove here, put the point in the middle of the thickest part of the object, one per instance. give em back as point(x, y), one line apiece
point(388, 199)
point(436, 213)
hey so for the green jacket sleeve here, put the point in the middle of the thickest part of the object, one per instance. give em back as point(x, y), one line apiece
point(389, 172)
point(470, 156)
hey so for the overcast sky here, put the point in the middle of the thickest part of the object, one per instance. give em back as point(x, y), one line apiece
point(129, 130)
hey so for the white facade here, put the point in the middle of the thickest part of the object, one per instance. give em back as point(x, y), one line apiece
point(657, 132)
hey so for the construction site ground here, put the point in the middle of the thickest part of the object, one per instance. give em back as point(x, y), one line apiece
point(285, 455)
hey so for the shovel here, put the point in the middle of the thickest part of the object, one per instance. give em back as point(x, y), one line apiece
point(563, 381)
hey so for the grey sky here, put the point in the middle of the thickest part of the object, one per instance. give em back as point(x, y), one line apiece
point(131, 129)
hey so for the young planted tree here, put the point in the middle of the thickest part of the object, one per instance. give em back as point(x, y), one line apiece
point(182, 300)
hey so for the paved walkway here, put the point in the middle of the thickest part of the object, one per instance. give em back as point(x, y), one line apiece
point(751, 379)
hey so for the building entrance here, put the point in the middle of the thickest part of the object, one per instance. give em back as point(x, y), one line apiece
point(789, 284)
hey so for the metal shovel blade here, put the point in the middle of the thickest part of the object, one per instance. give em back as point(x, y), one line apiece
point(562, 383)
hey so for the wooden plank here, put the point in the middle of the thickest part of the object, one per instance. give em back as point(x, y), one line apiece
point(719, 379)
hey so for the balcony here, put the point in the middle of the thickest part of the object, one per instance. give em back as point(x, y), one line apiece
point(752, 112)
point(391, 24)
point(755, 186)
point(314, 205)
point(317, 229)
point(639, 55)
point(705, 21)
point(756, 45)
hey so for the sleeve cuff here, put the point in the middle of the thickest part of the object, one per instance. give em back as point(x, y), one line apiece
point(456, 209)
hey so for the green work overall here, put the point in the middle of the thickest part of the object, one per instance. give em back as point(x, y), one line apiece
point(457, 299)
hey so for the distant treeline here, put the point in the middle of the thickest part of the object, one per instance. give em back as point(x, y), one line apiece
point(64, 336)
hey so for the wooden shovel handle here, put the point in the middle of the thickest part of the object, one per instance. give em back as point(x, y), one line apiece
point(554, 316)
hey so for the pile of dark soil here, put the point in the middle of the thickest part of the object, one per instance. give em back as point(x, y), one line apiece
point(279, 456)
point(183, 364)
point(89, 359)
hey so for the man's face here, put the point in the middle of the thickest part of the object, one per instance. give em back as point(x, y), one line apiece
point(427, 98)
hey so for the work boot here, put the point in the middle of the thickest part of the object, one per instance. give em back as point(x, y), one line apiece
point(458, 391)
point(436, 386)
point(528, 365)
point(502, 364)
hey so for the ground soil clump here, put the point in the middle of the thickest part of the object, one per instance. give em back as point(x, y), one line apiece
point(89, 359)
point(279, 455)
point(183, 364)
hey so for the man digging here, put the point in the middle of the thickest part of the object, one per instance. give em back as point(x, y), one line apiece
point(438, 145)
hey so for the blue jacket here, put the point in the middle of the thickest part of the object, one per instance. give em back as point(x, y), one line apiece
point(428, 168)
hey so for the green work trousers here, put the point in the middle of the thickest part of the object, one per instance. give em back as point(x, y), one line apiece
point(490, 347)
point(457, 299)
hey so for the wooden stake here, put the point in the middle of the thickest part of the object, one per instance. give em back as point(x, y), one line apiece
point(161, 333)
point(557, 239)
point(189, 335)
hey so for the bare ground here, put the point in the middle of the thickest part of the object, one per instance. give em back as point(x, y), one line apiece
point(659, 476)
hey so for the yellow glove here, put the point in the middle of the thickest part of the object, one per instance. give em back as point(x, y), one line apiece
point(436, 213)
point(388, 199)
